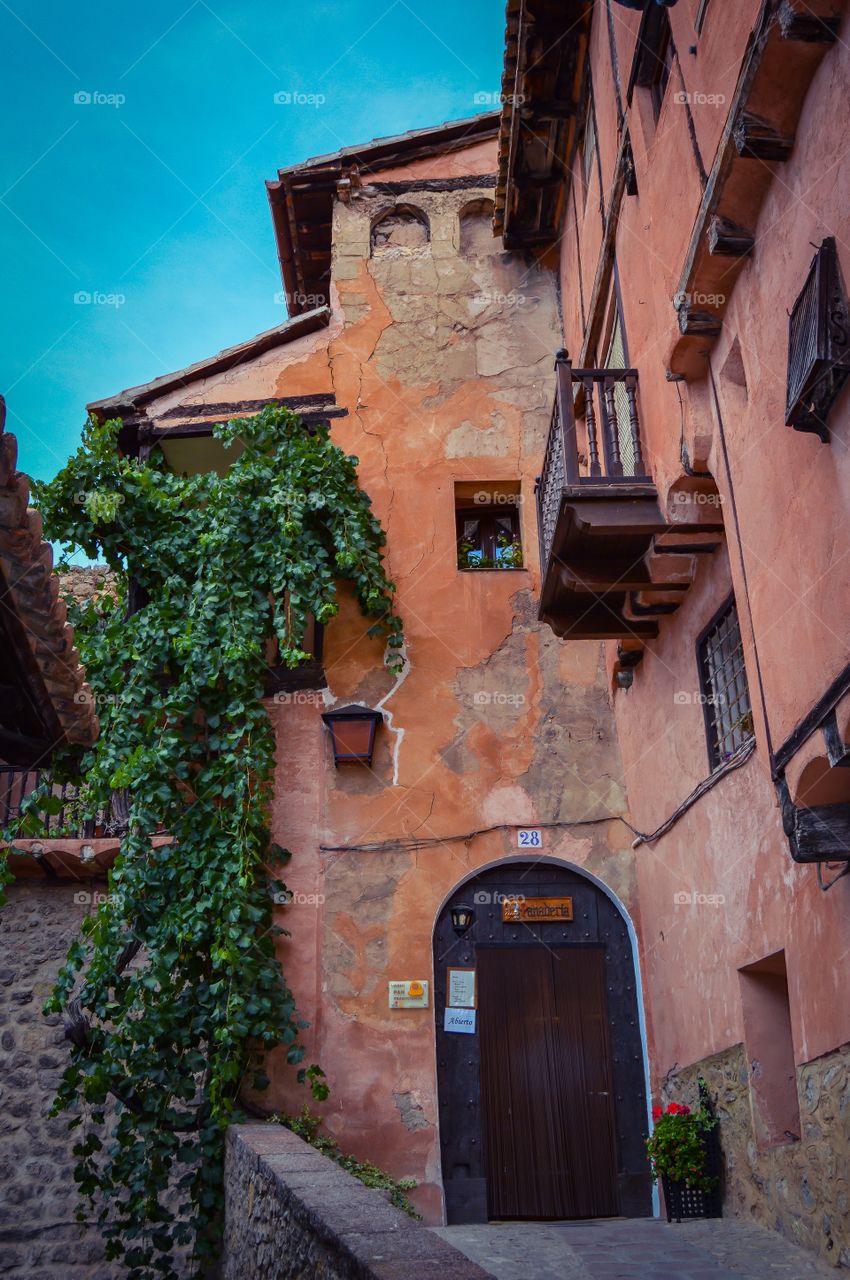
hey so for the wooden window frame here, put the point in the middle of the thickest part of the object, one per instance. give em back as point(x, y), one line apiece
point(487, 515)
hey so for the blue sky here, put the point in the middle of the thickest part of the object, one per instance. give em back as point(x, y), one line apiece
point(155, 206)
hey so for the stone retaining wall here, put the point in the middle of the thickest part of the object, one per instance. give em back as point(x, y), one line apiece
point(39, 1237)
point(802, 1188)
point(292, 1212)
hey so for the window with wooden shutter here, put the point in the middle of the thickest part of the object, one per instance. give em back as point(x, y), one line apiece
point(818, 344)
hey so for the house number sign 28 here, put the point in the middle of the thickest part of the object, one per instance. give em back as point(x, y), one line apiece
point(529, 838)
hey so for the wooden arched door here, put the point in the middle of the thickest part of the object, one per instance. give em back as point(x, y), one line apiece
point(543, 1107)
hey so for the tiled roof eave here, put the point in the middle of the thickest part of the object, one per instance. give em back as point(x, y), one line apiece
point(31, 594)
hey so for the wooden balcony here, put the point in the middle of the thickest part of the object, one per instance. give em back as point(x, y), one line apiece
point(612, 563)
point(17, 784)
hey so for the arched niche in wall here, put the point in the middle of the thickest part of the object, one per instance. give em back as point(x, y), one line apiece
point(402, 231)
point(476, 239)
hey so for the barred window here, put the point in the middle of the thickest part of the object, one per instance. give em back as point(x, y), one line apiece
point(726, 698)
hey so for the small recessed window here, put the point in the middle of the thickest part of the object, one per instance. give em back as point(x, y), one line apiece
point(588, 146)
point(726, 697)
point(653, 60)
point(488, 526)
point(662, 66)
point(402, 231)
point(769, 1040)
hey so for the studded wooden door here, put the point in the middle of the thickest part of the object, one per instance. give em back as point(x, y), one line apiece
point(546, 1094)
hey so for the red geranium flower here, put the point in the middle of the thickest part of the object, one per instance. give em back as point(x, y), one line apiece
point(657, 1113)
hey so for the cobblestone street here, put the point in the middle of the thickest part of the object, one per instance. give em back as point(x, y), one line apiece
point(634, 1249)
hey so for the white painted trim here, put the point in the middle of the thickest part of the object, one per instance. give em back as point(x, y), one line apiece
point(609, 893)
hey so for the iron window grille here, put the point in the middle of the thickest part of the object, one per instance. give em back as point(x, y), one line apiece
point(723, 680)
point(818, 344)
point(489, 537)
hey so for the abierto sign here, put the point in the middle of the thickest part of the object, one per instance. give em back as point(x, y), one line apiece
point(517, 910)
point(460, 1021)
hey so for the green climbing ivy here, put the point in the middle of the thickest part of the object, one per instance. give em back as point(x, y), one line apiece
point(173, 993)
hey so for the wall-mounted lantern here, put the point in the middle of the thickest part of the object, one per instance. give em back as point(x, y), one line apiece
point(353, 732)
point(462, 919)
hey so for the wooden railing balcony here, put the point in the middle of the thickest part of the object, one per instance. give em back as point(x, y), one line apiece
point(594, 439)
point(17, 784)
point(605, 545)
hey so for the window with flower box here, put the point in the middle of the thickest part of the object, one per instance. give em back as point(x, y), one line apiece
point(488, 526)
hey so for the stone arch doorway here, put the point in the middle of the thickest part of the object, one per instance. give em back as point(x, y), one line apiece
point(543, 1109)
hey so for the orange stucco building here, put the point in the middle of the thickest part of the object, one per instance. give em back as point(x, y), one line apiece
point(609, 788)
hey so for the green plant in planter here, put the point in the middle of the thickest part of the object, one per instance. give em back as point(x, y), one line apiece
point(677, 1145)
point(508, 555)
point(173, 991)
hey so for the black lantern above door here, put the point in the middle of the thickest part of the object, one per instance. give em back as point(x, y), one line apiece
point(353, 733)
point(462, 919)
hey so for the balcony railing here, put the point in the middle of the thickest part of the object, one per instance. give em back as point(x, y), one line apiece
point(17, 784)
point(594, 440)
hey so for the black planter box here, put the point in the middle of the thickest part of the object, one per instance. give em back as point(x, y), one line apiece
point(683, 1201)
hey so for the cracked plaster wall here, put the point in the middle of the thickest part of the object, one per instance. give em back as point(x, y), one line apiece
point(444, 360)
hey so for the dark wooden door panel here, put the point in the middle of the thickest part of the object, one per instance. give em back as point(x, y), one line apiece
point(545, 1083)
point(583, 1070)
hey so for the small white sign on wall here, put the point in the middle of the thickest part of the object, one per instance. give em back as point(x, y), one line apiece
point(408, 994)
point(460, 988)
point(529, 838)
point(460, 1020)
